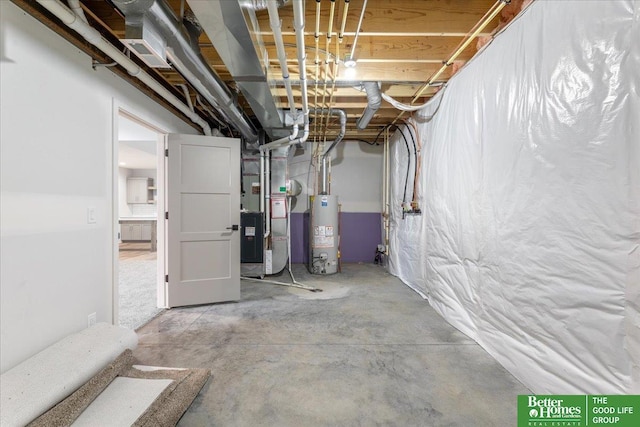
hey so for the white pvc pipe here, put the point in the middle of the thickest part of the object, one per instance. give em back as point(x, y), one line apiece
point(282, 142)
point(187, 95)
point(274, 19)
point(77, 9)
point(355, 40)
point(298, 17)
point(388, 195)
point(262, 181)
point(267, 194)
point(90, 34)
point(384, 178)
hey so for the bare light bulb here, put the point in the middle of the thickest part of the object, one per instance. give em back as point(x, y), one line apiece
point(349, 62)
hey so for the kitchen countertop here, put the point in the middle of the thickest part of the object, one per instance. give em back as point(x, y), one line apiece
point(138, 218)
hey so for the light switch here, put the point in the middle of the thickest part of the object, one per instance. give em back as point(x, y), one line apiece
point(91, 215)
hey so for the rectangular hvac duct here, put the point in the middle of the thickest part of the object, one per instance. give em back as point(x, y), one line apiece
point(147, 44)
point(225, 22)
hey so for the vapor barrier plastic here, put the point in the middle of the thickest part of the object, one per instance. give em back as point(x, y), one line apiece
point(529, 238)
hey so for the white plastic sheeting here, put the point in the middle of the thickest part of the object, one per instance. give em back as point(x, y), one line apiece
point(529, 240)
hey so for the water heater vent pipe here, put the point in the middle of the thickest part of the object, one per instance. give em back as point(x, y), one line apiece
point(374, 99)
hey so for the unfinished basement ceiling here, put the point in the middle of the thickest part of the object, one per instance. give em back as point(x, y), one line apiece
point(401, 44)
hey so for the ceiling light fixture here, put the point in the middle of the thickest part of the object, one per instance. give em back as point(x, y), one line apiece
point(349, 62)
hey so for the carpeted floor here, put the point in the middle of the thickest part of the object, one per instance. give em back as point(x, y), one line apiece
point(137, 290)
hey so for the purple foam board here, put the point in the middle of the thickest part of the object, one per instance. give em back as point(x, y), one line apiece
point(360, 234)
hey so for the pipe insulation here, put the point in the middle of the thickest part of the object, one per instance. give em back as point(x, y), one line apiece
point(374, 100)
point(188, 61)
point(90, 34)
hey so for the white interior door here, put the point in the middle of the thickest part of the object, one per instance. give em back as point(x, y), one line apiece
point(203, 199)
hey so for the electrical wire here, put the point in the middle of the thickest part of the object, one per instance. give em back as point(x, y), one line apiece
point(415, 162)
point(406, 179)
point(406, 143)
point(418, 157)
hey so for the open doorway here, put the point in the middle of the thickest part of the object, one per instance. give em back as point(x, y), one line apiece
point(138, 185)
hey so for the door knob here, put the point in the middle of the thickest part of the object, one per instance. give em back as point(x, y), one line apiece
point(234, 227)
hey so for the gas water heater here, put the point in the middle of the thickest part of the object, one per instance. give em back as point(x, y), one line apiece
point(324, 238)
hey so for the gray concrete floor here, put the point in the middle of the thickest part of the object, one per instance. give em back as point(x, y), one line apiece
point(367, 351)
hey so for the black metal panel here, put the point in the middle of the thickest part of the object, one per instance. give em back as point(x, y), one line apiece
point(251, 240)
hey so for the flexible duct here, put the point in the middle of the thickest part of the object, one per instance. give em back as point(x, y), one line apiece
point(187, 60)
point(90, 34)
point(374, 99)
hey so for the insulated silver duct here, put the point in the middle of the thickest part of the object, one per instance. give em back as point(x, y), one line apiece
point(374, 100)
point(182, 52)
point(71, 20)
point(259, 4)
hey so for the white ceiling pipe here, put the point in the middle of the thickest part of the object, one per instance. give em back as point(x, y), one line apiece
point(187, 60)
point(374, 100)
point(298, 17)
point(77, 9)
point(187, 95)
point(355, 40)
point(260, 4)
point(90, 34)
point(274, 19)
point(282, 142)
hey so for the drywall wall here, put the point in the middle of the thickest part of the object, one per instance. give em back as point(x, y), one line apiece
point(56, 162)
point(529, 241)
point(356, 177)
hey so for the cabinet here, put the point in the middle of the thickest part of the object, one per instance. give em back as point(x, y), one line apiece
point(145, 231)
point(132, 232)
point(139, 230)
point(139, 190)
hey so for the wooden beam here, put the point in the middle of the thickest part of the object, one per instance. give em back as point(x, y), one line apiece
point(399, 16)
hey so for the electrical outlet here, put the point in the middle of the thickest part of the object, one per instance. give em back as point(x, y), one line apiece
point(91, 320)
point(91, 215)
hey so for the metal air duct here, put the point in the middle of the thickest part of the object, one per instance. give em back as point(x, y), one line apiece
point(374, 100)
point(233, 32)
point(182, 53)
point(76, 23)
point(259, 4)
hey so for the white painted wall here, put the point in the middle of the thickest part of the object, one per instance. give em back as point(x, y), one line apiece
point(56, 161)
point(356, 176)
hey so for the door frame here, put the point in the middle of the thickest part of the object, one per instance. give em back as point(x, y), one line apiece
point(119, 109)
